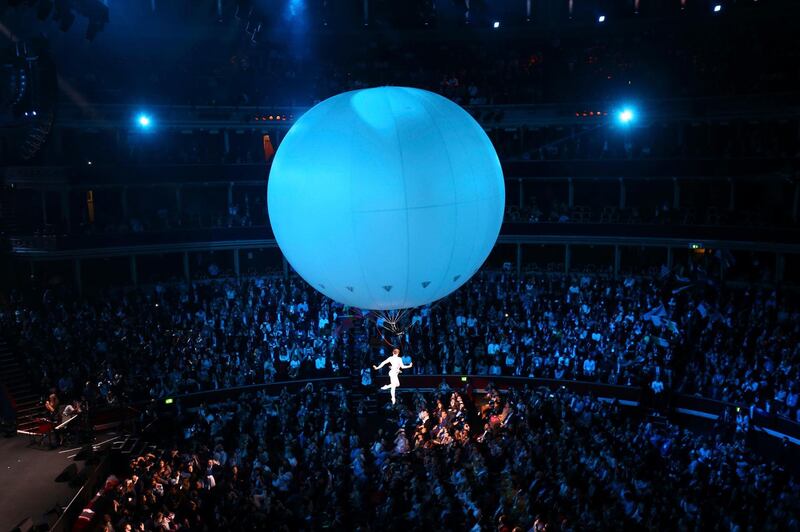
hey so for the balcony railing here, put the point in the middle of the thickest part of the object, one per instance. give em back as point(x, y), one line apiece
point(107, 245)
point(700, 408)
point(533, 115)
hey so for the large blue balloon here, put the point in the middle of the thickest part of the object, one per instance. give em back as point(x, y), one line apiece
point(386, 198)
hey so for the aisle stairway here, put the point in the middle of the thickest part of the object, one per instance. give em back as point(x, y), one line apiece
point(8, 219)
point(370, 403)
point(133, 446)
point(12, 374)
point(657, 419)
point(16, 381)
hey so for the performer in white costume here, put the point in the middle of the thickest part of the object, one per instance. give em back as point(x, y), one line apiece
point(397, 366)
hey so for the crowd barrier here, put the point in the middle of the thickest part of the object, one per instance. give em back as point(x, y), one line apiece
point(73, 509)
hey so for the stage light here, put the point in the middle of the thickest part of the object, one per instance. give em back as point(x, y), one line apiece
point(144, 121)
point(626, 116)
point(255, 33)
point(296, 7)
point(601, 18)
point(717, 8)
point(496, 24)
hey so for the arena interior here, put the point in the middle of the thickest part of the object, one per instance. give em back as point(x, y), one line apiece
point(384, 265)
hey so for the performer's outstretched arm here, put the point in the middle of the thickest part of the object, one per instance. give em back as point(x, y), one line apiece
point(379, 366)
point(403, 366)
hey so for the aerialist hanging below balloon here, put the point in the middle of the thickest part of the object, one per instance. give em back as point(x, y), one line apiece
point(397, 366)
point(386, 199)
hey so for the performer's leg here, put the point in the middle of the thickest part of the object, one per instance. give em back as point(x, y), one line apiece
point(386, 387)
point(394, 382)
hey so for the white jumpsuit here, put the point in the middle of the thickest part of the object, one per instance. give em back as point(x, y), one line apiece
point(397, 366)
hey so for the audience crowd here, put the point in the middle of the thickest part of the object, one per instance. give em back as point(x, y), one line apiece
point(523, 461)
point(669, 332)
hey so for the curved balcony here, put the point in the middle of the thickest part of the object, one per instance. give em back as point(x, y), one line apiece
point(184, 117)
point(255, 174)
point(689, 408)
point(785, 240)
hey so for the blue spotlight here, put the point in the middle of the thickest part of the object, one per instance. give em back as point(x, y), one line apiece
point(496, 24)
point(144, 121)
point(626, 115)
point(717, 8)
point(601, 18)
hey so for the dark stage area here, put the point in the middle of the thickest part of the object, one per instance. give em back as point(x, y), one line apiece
point(27, 481)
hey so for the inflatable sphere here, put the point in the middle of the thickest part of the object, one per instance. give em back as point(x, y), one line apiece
point(386, 198)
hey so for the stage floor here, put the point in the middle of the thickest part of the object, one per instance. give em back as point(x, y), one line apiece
point(27, 481)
